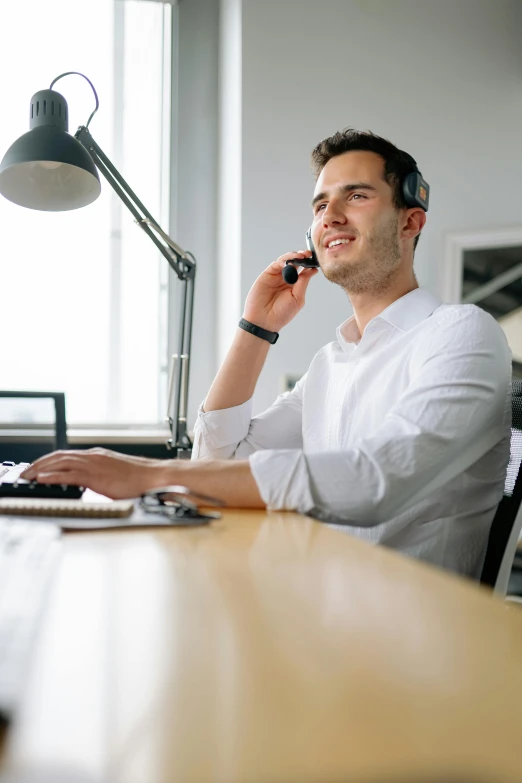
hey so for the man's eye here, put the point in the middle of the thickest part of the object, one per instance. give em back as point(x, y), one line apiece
point(361, 195)
point(320, 206)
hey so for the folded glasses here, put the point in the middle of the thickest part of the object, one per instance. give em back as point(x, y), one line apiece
point(180, 505)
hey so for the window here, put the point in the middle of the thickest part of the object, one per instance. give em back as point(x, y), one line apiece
point(84, 293)
point(492, 279)
point(485, 268)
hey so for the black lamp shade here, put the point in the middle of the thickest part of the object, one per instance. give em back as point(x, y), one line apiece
point(47, 168)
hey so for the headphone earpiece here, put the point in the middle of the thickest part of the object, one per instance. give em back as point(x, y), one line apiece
point(416, 191)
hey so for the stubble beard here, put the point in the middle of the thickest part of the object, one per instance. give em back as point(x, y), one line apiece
point(375, 271)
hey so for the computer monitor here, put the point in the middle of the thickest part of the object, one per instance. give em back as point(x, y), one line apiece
point(32, 417)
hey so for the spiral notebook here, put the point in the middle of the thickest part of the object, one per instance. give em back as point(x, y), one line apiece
point(48, 507)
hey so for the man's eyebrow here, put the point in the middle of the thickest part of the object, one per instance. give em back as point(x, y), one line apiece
point(345, 189)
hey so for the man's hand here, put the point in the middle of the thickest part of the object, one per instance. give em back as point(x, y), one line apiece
point(271, 303)
point(111, 474)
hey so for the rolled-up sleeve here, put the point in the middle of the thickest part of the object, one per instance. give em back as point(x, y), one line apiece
point(234, 433)
point(218, 433)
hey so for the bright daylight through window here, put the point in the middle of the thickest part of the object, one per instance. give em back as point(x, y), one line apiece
point(84, 293)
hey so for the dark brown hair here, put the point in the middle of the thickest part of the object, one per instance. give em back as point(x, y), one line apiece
point(397, 163)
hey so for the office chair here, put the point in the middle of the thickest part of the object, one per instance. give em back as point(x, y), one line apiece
point(507, 522)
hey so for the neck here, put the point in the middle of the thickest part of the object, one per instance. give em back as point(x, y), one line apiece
point(368, 305)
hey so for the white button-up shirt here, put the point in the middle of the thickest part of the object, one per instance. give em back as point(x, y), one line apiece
point(401, 436)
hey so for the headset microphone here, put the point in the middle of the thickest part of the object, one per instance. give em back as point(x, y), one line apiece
point(290, 273)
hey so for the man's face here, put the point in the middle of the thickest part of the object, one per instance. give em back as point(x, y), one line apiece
point(353, 208)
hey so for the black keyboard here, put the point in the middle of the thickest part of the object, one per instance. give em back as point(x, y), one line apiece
point(12, 486)
point(28, 552)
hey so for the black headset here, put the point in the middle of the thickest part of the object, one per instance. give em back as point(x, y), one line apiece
point(416, 193)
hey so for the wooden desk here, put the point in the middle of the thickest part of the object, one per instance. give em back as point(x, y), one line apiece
point(268, 647)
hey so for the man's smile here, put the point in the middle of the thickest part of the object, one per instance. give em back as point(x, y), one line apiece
point(338, 245)
point(337, 240)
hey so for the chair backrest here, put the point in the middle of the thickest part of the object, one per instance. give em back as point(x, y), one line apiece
point(507, 522)
point(18, 420)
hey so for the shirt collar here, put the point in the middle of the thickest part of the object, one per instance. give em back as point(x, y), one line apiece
point(403, 314)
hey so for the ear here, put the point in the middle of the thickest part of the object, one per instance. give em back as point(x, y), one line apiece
point(413, 222)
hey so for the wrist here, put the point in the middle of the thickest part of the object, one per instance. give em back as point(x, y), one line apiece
point(168, 471)
point(263, 321)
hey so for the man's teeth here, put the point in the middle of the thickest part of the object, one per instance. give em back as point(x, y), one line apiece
point(339, 242)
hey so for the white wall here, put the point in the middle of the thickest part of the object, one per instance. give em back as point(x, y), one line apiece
point(194, 183)
point(442, 79)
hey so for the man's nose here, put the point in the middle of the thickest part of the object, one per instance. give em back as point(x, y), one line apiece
point(333, 215)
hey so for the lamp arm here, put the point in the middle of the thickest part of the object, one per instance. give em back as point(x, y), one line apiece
point(178, 259)
point(178, 386)
point(184, 265)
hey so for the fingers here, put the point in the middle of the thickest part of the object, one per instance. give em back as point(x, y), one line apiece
point(50, 463)
point(301, 284)
point(68, 460)
point(279, 263)
point(63, 477)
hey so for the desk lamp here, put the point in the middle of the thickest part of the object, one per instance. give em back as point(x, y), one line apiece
point(48, 169)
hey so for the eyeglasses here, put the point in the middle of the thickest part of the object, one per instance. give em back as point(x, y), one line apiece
point(174, 503)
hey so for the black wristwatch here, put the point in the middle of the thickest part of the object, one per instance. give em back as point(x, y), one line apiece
point(271, 337)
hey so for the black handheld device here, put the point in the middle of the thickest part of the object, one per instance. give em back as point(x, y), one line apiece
point(289, 270)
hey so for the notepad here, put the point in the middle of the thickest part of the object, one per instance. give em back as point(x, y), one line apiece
point(65, 508)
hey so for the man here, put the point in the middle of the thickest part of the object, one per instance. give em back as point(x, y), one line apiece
point(400, 428)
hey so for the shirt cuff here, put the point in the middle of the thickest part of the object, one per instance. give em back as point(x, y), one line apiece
point(226, 427)
point(282, 479)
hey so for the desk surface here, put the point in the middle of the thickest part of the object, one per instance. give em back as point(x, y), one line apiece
point(267, 647)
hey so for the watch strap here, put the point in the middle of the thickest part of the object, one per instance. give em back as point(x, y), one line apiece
point(264, 334)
